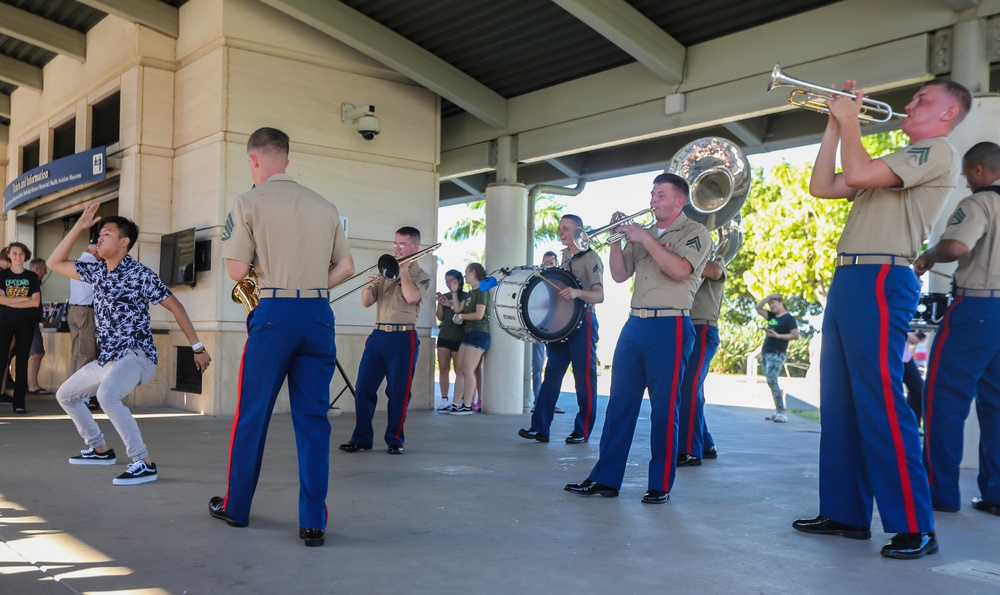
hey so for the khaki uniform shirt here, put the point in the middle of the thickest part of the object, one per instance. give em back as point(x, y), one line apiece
point(976, 223)
point(653, 288)
point(391, 306)
point(896, 221)
point(708, 299)
point(287, 232)
point(586, 266)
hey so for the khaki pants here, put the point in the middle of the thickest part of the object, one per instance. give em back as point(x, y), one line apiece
point(82, 336)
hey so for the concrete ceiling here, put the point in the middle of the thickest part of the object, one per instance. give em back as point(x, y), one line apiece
point(588, 89)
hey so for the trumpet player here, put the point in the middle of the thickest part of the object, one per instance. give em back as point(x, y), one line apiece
point(656, 341)
point(293, 238)
point(392, 348)
point(869, 447)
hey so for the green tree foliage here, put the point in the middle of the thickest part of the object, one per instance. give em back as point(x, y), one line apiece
point(547, 214)
point(790, 240)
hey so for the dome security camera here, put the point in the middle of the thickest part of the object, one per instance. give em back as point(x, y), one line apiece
point(368, 127)
point(366, 122)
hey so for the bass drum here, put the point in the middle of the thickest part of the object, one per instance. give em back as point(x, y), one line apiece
point(531, 310)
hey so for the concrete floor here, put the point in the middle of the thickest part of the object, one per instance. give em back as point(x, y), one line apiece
point(470, 508)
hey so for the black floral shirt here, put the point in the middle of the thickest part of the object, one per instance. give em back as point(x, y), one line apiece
point(121, 306)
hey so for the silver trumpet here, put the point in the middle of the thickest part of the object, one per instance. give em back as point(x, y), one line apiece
point(586, 240)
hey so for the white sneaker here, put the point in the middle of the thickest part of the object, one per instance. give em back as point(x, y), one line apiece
point(444, 406)
point(779, 418)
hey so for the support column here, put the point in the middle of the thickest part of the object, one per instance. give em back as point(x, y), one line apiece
point(506, 234)
point(971, 68)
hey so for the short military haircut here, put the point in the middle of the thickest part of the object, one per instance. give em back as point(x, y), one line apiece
point(126, 228)
point(958, 92)
point(675, 181)
point(548, 254)
point(269, 140)
point(574, 218)
point(986, 154)
point(411, 232)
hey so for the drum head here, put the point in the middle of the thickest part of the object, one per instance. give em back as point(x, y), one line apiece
point(547, 316)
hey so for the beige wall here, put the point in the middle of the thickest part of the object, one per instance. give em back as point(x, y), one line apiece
point(188, 107)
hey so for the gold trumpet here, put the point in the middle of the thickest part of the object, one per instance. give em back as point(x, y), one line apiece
point(247, 291)
point(584, 240)
point(388, 268)
point(814, 97)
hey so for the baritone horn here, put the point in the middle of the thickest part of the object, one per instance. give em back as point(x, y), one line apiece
point(586, 240)
point(814, 97)
point(247, 291)
point(388, 268)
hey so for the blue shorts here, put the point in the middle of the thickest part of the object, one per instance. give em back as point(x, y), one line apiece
point(477, 339)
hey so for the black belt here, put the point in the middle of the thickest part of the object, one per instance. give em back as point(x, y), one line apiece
point(82, 305)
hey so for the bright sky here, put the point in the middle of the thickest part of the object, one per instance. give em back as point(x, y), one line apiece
point(595, 205)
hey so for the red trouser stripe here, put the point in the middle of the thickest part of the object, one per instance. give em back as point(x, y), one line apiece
point(671, 417)
point(932, 371)
point(409, 383)
point(236, 419)
point(890, 401)
point(590, 367)
point(696, 386)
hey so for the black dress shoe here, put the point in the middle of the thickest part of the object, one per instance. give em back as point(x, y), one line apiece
point(590, 487)
point(655, 497)
point(532, 435)
point(824, 526)
point(980, 504)
point(909, 546)
point(710, 453)
point(394, 449)
point(217, 509)
point(686, 460)
point(312, 537)
point(575, 438)
point(352, 447)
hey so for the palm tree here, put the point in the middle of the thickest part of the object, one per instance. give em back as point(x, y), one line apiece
point(547, 215)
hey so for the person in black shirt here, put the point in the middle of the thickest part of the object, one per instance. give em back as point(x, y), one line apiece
point(20, 311)
point(781, 328)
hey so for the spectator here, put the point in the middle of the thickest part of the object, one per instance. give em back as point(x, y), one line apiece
point(37, 351)
point(21, 307)
point(781, 328)
point(450, 337)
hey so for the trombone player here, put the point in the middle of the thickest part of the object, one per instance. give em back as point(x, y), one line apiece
point(869, 446)
point(392, 348)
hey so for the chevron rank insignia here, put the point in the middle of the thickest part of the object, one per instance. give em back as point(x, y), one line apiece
point(918, 155)
point(597, 267)
point(228, 230)
point(957, 217)
point(695, 243)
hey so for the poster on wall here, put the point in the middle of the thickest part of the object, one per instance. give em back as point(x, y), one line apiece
point(75, 170)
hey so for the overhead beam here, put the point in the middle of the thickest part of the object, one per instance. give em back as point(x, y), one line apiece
point(20, 73)
point(4, 106)
point(628, 29)
point(746, 135)
point(570, 165)
point(41, 32)
point(158, 16)
point(379, 42)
